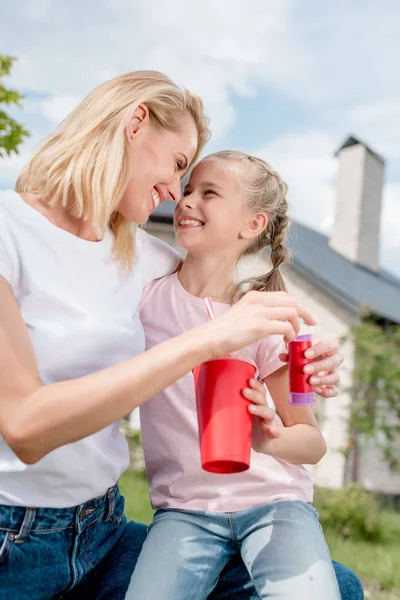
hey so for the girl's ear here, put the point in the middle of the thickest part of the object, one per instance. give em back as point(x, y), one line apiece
point(256, 224)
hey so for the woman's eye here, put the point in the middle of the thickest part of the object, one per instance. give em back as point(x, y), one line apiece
point(210, 192)
point(180, 165)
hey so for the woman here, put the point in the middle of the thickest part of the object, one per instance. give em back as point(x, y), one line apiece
point(71, 343)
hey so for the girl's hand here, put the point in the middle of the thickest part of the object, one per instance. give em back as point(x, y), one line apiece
point(326, 360)
point(263, 417)
point(255, 316)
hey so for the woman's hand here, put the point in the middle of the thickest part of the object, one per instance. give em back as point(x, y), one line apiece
point(255, 316)
point(323, 370)
point(263, 416)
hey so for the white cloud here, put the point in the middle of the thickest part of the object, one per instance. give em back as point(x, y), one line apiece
point(310, 53)
point(336, 61)
point(56, 108)
point(377, 123)
point(212, 47)
point(305, 161)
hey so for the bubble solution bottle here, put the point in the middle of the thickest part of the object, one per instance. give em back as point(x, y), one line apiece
point(301, 391)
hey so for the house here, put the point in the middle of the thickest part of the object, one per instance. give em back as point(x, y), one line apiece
point(336, 278)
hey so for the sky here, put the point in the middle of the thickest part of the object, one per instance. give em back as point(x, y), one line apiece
point(287, 80)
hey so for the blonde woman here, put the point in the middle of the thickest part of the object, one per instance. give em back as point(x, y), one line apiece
point(72, 361)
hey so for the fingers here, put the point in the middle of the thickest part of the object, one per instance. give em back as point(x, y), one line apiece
point(264, 413)
point(286, 314)
point(279, 299)
point(284, 358)
point(329, 363)
point(323, 347)
point(329, 391)
point(329, 379)
point(256, 392)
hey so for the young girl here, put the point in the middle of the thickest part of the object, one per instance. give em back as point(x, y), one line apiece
point(233, 205)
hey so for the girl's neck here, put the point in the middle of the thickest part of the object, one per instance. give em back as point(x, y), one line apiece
point(208, 276)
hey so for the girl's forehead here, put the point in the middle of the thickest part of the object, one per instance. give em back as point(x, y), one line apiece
point(213, 169)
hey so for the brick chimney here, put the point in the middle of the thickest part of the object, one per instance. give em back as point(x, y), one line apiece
point(356, 228)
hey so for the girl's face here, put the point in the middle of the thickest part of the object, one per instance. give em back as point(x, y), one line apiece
point(158, 159)
point(212, 215)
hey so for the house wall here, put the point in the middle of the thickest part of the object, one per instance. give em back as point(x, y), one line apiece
point(373, 472)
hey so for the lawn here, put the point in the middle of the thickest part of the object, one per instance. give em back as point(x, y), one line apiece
point(378, 564)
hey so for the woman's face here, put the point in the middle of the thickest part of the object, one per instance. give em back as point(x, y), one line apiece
point(158, 159)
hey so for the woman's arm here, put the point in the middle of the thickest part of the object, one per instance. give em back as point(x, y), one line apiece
point(36, 418)
point(300, 440)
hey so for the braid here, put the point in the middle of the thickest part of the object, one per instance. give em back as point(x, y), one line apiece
point(273, 280)
point(266, 192)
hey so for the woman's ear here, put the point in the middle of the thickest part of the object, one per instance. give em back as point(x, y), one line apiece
point(138, 121)
point(256, 224)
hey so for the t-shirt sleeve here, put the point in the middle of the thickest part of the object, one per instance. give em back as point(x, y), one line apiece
point(159, 259)
point(268, 353)
point(7, 269)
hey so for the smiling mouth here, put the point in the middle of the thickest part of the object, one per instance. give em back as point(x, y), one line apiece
point(156, 197)
point(190, 223)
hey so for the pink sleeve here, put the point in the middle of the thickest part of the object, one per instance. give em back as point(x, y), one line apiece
point(268, 353)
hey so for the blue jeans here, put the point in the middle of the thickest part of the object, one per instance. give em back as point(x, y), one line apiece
point(90, 551)
point(281, 544)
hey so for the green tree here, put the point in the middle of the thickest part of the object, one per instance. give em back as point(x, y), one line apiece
point(375, 392)
point(12, 133)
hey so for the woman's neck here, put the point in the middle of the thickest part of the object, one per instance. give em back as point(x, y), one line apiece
point(61, 217)
point(208, 276)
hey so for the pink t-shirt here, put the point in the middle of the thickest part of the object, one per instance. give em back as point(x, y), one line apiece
point(169, 422)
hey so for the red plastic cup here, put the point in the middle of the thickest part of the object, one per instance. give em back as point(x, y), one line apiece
point(225, 424)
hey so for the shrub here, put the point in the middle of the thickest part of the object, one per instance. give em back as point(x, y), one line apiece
point(351, 511)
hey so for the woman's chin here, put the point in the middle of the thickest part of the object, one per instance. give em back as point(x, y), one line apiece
point(139, 217)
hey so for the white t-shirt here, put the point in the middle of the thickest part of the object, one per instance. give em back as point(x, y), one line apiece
point(81, 312)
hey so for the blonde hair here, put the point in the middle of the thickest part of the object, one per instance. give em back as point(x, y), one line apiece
point(84, 163)
point(265, 192)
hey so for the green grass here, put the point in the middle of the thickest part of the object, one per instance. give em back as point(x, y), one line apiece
point(373, 562)
point(379, 562)
point(137, 504)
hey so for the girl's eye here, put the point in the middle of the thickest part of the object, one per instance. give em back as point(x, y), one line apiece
point(186, 193)
point(180, 165)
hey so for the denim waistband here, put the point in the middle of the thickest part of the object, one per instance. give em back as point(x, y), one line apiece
point(21, 520)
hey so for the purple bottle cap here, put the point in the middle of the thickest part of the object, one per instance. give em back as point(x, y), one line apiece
point(301, 399)
point(304, 334)
point(304, 337)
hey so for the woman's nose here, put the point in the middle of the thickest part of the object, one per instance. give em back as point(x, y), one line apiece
point(174, 190)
